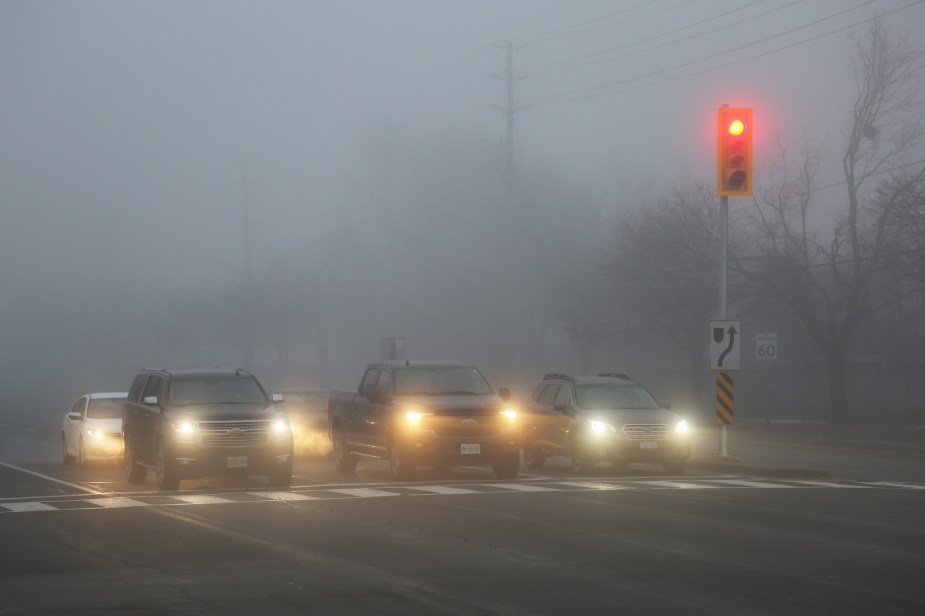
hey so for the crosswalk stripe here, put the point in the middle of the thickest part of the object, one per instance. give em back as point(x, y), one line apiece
point(749, 484)
point(896, 484)
point(444, 490)
point(117, 501)
point(826, 484)
point(589, 485)
point(521, 487)
point(364, 492)
point(284, 496)
point(33, 506)
point(681, 485)
point(201, 499)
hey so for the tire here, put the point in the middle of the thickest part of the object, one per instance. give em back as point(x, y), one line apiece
point(508, 468)
point(344, 461)
point(81, 453)
point(534, 457)
point(66, 458)
point(401, 464)
point(281, 478)
point(579, 460)
point(134, 472)
point(674, 467)
point(167, 478)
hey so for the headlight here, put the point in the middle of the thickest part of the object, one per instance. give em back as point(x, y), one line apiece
point(510, 414)
point(599, 427)
point(281, 429)
point(97, 434)
point(183, 431)
point(681, 427)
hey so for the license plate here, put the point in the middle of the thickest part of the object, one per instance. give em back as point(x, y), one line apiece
point(473, 448)
point(648, 445)
point(237, 461)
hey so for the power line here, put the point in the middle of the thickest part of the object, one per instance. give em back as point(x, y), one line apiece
point(547, 100)
point(579, 25)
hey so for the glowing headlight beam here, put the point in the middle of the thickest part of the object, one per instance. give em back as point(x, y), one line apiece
point(600, 426)
point(681, 427)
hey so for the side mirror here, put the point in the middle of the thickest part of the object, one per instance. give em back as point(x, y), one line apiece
point(505, 393)
point(561, 408)
point(277, 397)
point(150, 400)
point(666, 405)
point(74, 416)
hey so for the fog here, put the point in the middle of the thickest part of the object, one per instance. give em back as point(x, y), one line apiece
point(279, 185)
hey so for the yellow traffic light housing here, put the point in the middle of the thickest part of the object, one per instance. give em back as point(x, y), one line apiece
point(734, 152)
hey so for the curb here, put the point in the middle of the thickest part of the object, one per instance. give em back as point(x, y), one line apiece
point(756, 469)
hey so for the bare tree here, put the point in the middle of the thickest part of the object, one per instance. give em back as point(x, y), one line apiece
point(834, 280)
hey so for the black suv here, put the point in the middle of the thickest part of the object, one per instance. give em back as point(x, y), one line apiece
point(192, 424)
point(609, 417)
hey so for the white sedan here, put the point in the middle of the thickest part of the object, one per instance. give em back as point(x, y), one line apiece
point(92, 430)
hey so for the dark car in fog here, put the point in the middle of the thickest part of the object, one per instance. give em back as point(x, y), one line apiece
point(609, 417)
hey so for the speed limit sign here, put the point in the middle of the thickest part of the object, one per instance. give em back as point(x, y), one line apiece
point(766, 346)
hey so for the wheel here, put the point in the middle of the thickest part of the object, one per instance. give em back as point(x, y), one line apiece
point(674, 467)
point(580, 461)
point(81, 453)
point(507, 469)
point(134, 472)
point(401, 464)
point(66, 458)
point(344, 461)
point(281, 477)
point(534, 457)
point(167, 478)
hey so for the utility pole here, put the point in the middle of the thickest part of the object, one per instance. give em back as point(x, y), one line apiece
point(508, 216)
point(250, 321)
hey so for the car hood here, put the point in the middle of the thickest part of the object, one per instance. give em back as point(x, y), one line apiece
point(451, 402)
point(620, 417)
point(217, 412)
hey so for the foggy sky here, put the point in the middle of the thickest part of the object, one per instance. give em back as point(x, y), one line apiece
point(127, 129)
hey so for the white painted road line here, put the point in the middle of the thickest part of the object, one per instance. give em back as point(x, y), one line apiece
point(680, 485)
point(284, 496)
point(364, 492)
point(749, 484)
point(826, 484)
point(46, 477)
point(588, 485)
point(894, 484)
point(201, 499)
point(521, 487)
point(31, 506)
point(117, 501)
point(443, 490)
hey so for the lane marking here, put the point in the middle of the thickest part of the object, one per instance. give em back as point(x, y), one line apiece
point(521, 487)
point(364, 492)
point(76, 486)
point(896, 484)
point(201, 499)
point(117, 501)
point(680, 485)
point(827, 484)
point(588, 485)
point(749, 484)
point(285, 496)
point(443, 490)
point(31, 506)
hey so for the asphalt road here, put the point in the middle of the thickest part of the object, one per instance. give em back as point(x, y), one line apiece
point(83, 541)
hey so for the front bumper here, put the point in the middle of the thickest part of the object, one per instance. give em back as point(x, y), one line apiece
point(194, 461)
point(428, 449)
point(618, 447)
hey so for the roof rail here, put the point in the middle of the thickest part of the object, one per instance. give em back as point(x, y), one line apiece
point(615, 375)
point(558, 376)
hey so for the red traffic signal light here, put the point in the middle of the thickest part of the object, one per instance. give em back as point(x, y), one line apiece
point(734, 152)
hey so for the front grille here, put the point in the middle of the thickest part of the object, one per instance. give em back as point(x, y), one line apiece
point(239, 433)
point(469, 423)
point(646, 432)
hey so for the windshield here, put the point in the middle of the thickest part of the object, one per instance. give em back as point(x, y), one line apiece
point(233, 390)
point(614, 396)
point(105, 408)
point(439, 380)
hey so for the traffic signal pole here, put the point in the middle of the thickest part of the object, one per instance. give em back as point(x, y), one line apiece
point(723, 247)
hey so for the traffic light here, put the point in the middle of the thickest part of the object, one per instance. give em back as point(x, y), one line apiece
point(734, 152)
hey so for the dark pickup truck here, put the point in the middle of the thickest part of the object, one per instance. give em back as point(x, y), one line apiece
point(438, 414)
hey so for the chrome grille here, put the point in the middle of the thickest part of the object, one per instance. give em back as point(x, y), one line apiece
point(468, 423)
point(646, 432)
point(239, 433)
